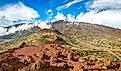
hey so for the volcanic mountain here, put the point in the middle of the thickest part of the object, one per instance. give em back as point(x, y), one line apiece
point(91, 39)
point(91, 34)
point(66, 46)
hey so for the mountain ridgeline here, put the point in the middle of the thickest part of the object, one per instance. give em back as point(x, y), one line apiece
point(98, 39)
point(65, 46)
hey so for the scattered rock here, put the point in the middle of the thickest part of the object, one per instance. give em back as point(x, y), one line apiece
point(51, 57)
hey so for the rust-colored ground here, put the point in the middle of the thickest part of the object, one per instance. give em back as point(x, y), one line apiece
point(52, 57)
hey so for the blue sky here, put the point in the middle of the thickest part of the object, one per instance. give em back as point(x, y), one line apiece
point(105, 12)
point(41, 6)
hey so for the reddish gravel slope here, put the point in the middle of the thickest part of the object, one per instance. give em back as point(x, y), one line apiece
point(51, 57)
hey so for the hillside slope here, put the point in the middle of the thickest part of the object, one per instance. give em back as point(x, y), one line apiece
point(18, 34)
point(90, 39)
point(64, 47)
point(91, 34)
point(42, 36)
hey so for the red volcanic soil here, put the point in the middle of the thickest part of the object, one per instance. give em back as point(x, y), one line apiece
point(51, 57)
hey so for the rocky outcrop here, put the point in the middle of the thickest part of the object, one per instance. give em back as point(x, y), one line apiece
point(51, 57)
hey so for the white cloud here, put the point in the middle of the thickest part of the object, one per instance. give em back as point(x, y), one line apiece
point(50, 12)
point(104, 12)
point(68, 5)
point(4, 21)
point(85, 17)
point(13, 29)
point(19, 11)
point(70, 18)
point(2, 31)
point(43, 24)
point(60, 16)
point(107, 4)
